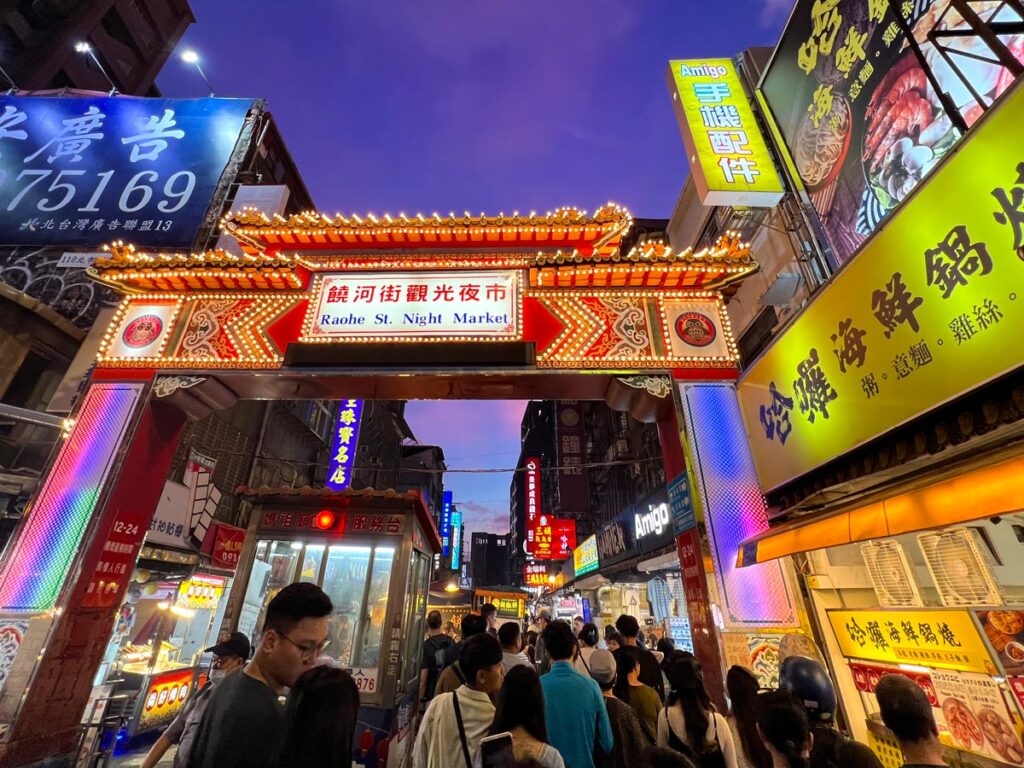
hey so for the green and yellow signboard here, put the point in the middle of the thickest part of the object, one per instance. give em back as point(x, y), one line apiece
point(932, 307)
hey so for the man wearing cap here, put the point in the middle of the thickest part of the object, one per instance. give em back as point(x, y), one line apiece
point(228, 655)
point(540, 654)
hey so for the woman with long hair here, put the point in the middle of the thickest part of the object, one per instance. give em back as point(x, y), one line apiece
point(785, 729)
point(521, 713)
point(530, 648)
point(587, 639)
point(689, 723)
point(743, 686)
point(642, 698)
point(321, 719)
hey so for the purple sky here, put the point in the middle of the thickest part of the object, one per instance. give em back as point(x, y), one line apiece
point(404, 106)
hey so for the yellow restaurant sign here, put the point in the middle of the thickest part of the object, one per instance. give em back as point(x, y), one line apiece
point(729, 159)
point(930, 308)
point(941, 639)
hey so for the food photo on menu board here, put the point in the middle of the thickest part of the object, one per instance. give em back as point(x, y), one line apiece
point(1004, 630)
point(976, 715)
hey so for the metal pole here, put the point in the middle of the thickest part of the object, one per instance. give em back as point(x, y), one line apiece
point(202, 74)
point(92, 55)
point(9, 79)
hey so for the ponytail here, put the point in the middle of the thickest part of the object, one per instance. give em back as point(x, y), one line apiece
point(784, 723)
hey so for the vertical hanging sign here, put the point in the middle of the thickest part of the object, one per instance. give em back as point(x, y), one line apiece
point(533, 512)
point(446, 524)
point(343, 447)
point(456, 539)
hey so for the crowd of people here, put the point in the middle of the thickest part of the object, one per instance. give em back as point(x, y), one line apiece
point(557, 696)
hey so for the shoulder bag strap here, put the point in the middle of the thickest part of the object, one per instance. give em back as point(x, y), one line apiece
point(462, 730)
point(584, 660)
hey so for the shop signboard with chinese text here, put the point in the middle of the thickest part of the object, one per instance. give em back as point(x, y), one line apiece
point(683, 516)
point(332, 523)
point(930, 308)
point(584, 557)
point(615, 542)
point(446, 524)
point(860, 118)
point(164, 698)
point(554, 538)
point(343, 445)
point(224, 543)
point(86, 171)
point(573, 481)
point(535, 575)
point(939, 639)
point(532, 484)
point(438, 305)
point(729, 158)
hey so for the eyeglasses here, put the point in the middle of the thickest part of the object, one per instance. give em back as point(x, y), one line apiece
point(307, 651)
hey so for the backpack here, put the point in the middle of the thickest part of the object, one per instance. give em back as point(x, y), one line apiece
point(439, 647)
point(710, 756)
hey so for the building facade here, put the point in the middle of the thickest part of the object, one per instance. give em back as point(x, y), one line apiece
point(490, 561)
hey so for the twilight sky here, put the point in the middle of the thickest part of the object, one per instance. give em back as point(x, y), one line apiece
point(451, 105)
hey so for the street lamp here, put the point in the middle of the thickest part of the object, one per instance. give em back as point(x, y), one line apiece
point(85, 49)
point(10, 81)
point(191, 57)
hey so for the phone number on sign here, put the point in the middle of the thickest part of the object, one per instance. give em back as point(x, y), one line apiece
point(65, 186)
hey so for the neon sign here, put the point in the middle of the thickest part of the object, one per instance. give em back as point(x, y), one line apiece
point(456, 542)
point(533, 511)
point(343, 448)
point(446, 523)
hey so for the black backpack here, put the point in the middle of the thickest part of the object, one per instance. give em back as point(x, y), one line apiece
point(710, 756)
point(438, 644)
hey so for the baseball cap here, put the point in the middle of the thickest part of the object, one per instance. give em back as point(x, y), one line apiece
point(236, 644)
point(544, 613)
point(602, 666)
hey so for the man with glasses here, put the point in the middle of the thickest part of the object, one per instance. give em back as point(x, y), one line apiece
point(243, 726)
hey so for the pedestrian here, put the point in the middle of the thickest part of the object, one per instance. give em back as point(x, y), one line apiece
point(743, 687)
point(577, 625)
point(627, 737)
point(908, 714)
point(244, 723)
point(449, 629)
point(454, 723)
point(520, 712)
point(575, 713)
point(452, 677)
point(321, 715)
point(785, 729)
point(510, 637)
point(531, 646)
point(642, 698)
point(689, 723)
point(489, 613)
point(540, 656)
point(666, 647)
point(433, 656)
point(650, 672)
point(587, 639)
point(613, 640)
point(810, 682)
point(229, 656)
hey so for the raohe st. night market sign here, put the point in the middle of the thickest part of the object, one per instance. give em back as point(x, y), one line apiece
point(930, 308)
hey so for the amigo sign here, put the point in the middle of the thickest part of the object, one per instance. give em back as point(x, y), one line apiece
point(449, 306)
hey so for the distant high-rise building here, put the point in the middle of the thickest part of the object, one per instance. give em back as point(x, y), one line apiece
point(490, 562)
point(423, 470)
point(131, 38)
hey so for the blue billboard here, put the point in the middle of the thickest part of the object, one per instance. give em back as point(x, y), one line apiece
point(86, 171)
point(343, 445)
point(456, 539)
point(446, 523)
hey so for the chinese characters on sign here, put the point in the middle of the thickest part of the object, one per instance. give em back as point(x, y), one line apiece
point(456, 540)
point(940, 289)
point(554, 538)
point(536, 575)
point(85, 171)
point(438, 305)
point(350, 523)
point(584, 557)
point(343, 446)
point(533, 508)
point(941, 639)
point(446, 523)
point(573, 485)
point(729, 159)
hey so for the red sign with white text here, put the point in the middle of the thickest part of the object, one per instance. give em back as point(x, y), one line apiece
point(533, 506)
point(536, 575)
point(225, 545)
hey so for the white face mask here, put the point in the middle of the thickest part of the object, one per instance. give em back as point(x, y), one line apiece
point(216, 675)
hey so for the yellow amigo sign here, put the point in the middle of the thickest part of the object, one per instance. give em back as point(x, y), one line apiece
point(942, 639)
point(930, 308)
point(729, 159)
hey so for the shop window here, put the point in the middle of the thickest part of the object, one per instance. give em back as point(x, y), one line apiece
point(281, 557)
point(415, 616)
point(312, 559)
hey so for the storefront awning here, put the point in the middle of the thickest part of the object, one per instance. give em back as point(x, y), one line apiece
point(975, 494)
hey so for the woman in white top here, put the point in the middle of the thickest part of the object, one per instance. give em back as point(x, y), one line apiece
point(689, 721)
point(521, 712)
point(588, 639)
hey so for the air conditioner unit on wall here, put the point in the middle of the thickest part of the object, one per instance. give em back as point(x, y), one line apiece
point(961, 567)
point(891, 574)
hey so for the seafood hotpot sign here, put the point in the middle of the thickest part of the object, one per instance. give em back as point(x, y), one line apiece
point(860, 118)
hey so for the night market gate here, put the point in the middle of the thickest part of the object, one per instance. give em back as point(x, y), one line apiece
point(561, 306)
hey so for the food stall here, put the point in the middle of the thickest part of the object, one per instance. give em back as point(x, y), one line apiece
point(372, 553)
point(510, 602)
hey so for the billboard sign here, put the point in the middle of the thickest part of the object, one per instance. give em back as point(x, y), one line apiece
point(343, 446)
point(573, 482)
point(584, 557)
point(439, 305)
point(651, 520)
point(928, 310)
point(533, 505)
point(860, 118)
point(83, 171)
point(729, 158)
point(536, 575)
point(456, 538)
point(446, 523)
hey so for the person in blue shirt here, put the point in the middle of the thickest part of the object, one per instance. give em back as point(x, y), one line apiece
point(574, 707)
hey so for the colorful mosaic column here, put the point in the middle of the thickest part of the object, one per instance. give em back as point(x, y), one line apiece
point(67, 569)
